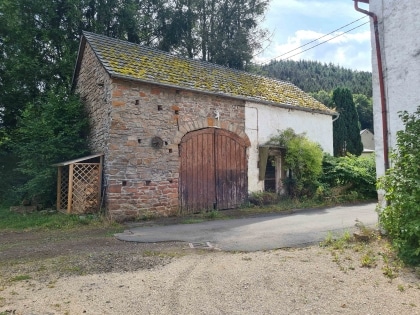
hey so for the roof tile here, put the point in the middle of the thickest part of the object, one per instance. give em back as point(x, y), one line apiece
point(132, 61)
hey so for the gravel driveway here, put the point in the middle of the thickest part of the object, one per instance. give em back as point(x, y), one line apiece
point(89, 272)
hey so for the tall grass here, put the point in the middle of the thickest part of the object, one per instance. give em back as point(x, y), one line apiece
point(43, 220)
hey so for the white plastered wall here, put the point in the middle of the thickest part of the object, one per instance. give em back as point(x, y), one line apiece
point(399, 26)
point(265, 121)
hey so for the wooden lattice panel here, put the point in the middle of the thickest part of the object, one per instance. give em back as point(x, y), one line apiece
point(64, 189)
point(85, 188)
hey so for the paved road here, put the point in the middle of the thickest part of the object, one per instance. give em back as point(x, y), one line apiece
point(260, 233)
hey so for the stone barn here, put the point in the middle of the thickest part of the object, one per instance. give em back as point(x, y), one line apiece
point(181, 135)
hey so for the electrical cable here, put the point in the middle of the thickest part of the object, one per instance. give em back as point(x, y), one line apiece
point(317, 39)
point(341, 34)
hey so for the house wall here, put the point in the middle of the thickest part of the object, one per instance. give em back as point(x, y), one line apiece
point(94, 86)
point(264, 121)
point(399, 27)
point(368, 140)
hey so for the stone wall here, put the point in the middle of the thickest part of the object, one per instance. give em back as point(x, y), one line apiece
point(142, 180)
point(94, 86)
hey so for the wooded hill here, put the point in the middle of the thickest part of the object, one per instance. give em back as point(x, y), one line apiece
point(313, 76)
point(321, 79)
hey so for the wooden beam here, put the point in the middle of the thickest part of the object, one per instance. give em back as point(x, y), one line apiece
point(59, 178)
point(70, 193)
point(101, 159)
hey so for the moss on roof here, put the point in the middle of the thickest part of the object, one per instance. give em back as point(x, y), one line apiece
point(128, 60)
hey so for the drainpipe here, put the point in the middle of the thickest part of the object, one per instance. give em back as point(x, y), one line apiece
point(381, 79)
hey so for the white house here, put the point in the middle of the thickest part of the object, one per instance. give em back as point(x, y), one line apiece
point(368, 140)
point(395, 26)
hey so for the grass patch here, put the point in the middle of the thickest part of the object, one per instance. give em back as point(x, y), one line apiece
point(44, 220)
point(366, 247)
point(21, 278)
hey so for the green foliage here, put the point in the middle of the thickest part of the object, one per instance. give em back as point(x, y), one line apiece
point(304, 158)
point(346, 129)
point(324, 97)
point(350, 174)
point(51, 130)
point(364, 109)
point(362, 102)
point(314, 76)
point(401, 184)
point(263, 198)
point(46, 220)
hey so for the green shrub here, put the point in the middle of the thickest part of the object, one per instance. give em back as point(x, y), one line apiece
point(401, 186)
point(263, 198)
point(350, 176)
point(304, 158)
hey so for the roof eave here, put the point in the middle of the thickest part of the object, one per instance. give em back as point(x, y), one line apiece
point(242, 98)
point(80, 53)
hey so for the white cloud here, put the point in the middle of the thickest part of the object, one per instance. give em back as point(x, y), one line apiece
point(295, 23)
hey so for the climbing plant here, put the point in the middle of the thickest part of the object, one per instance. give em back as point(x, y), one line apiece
point(304, 159)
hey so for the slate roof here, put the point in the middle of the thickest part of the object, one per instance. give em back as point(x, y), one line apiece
point(126, 60)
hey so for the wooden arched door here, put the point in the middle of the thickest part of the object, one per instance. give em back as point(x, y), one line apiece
point(213, 172)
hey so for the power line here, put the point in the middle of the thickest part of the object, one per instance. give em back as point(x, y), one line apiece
point(317, 39)
point(312, 47)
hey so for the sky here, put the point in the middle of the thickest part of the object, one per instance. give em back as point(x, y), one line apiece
point(293, 23)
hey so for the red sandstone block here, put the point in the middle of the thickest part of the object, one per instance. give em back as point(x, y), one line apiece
point(131, 143)
point(225, 125)
point(210, 121)
point(117, 103)
point(155, 91)
point(129, 190)
point(142, 94)
point(117, 93)
point(114, 189)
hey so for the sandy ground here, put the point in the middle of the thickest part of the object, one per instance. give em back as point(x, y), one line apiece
point(111, 277)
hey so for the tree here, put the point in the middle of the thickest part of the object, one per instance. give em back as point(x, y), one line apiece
point(401, 216)
point(364, 111)
point(52, 129)
point(314, 76)
point(346, 129)
point(222, 32)
point(324, 97)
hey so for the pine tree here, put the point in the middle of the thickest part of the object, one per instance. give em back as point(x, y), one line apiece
point(346, 129)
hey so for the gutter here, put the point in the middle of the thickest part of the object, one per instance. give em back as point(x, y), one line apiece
point(381, 79)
